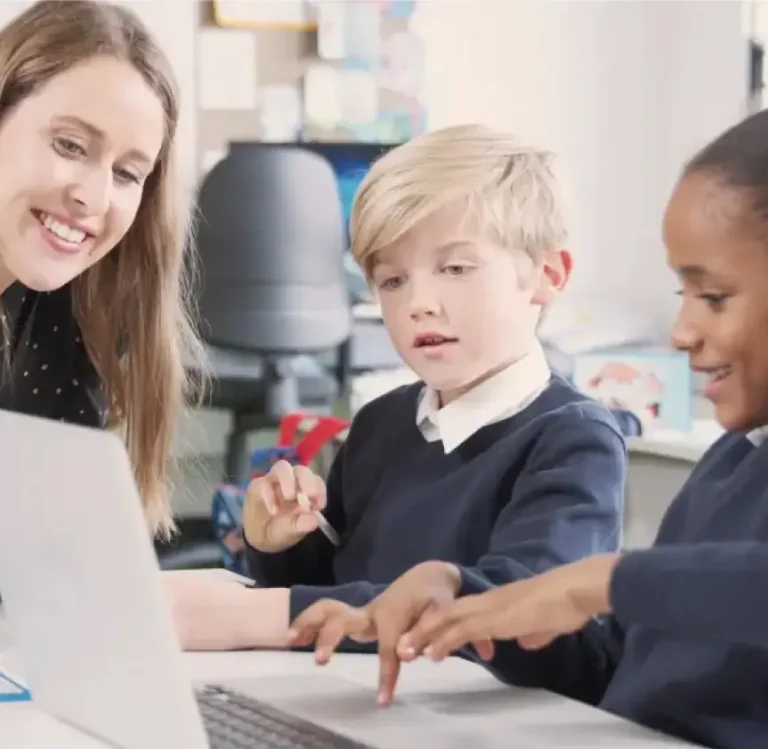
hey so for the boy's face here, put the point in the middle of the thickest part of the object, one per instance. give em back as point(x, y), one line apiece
point(457, 306)
point(717, 249)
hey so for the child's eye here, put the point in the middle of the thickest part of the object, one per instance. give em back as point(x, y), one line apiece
point(714, 301)
point(391, 283)
point(456, 270)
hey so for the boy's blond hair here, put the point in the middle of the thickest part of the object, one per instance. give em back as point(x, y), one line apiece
point(510, 188)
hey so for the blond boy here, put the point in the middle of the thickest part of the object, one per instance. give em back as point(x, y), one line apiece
point(491, 461)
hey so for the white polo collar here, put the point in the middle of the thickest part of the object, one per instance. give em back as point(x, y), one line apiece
point(499, 397)
point(757, 436)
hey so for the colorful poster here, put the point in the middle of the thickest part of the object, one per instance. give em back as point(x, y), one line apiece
point(656, 387)
point(402, 68)
point(400, 10)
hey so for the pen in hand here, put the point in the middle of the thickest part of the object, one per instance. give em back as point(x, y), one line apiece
point(325, 527)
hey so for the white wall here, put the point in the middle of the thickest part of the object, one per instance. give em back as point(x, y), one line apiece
point(174, 24)
point(625, 92)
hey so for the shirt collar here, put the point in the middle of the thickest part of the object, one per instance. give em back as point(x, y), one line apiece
point(496, 398)
point(758, 436)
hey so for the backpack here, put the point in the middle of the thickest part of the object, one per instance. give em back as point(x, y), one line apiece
point(301, 437)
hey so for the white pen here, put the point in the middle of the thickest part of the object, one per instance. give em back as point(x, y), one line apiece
point(325, 527)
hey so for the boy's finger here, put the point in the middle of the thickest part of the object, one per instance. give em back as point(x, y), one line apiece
point(303, 524)
point(389, 630)
point(304, 628)
point(389, 670)
point(283, 478)
point(262, 491)
point(311, 486)
point(302, 637)
point(319, 496)
point(330, 636)
point(485, 649)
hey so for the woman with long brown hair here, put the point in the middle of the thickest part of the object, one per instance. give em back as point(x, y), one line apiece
point(93, 278)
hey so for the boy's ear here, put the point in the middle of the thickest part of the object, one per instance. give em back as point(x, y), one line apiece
point(553, 276)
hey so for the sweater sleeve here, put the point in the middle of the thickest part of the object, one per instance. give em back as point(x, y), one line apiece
point(674, 588)
point(565, 505)
point(579, 665)
point(309, 562)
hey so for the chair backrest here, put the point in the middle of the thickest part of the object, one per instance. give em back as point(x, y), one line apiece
point(271, 240)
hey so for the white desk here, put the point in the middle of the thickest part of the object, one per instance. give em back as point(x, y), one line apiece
point(460, 693)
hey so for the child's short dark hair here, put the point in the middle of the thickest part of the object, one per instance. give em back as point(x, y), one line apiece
point(740, 158)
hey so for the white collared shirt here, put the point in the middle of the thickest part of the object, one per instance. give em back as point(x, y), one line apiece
point(503, 395)
point(758, 436)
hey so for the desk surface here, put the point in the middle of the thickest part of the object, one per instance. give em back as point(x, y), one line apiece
point(456, 691)
point(682, 446)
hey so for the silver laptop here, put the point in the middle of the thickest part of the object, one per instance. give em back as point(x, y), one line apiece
point(83, 599)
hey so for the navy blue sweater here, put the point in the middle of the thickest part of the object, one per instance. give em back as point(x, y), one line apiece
point(686, 649)
point(522, 495)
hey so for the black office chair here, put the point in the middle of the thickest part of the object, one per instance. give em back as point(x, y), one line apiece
point(274, 304)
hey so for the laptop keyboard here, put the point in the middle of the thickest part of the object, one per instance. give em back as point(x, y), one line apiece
point(235, 721)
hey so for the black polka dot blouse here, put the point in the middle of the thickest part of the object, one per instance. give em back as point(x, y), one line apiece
point(50, 373)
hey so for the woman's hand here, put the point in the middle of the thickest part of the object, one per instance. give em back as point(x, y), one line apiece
point(211, 612)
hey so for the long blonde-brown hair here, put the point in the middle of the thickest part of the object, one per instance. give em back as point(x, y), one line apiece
point(133, 307)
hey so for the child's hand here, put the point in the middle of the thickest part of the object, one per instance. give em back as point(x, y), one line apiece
point(279, 507)
point(327, 622)
point(534, 611)
point(423, 589)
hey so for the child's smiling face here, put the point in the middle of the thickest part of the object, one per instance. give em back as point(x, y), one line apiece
point(719, 250)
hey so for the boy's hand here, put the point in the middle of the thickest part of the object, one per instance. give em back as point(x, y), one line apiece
point(534, 611)
point(327, 623)
point(278, 508)
point(423, 589)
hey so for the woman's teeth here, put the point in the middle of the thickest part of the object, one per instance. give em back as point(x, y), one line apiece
point(61, 230)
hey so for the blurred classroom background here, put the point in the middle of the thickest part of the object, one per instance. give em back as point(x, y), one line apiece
point(285, 103)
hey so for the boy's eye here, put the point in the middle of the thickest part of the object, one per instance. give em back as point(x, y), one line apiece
point(391, 283)
point(456, 270)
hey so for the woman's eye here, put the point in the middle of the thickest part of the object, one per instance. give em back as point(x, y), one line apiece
point(68, 147)
point(123, 175)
